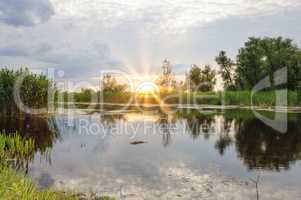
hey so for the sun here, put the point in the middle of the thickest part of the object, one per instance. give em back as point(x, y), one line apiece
point(147, 88)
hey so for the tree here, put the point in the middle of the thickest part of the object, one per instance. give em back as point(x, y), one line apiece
point(194, 77)
point(201, 80)
point(109, 84)
point(226, 70)
point(261, 57)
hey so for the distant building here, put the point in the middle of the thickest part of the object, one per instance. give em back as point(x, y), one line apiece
point(167, 78)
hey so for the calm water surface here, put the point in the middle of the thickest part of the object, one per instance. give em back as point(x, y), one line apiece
point(186, 155)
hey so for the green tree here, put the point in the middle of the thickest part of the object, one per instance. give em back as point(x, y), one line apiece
point(110, 84)
point(261, 57)
point(201, 80)
point(226, 70)
point(208, 79)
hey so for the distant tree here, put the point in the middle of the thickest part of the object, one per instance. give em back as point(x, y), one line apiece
point(110, 84)
point(85, 95)
point(261, 57)
point(226, 70)
point(208, 78)
point(201, 80)
point(194, 77)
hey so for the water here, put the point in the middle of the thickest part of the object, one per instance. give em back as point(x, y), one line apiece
point(187, 155)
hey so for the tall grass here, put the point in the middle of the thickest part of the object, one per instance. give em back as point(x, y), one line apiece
point(34, 89)
point(15, 185)
point(15, 150)
point(238, 98)
point(263, 98)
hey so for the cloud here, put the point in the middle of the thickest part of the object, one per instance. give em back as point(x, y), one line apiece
point(168, 16)
point(78, 55)
point(25, 13)
point(84, 37)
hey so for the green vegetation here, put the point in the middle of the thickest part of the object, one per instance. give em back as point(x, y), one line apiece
point(260, 58)
point(201, 79)
point(226, 70)
point(233, 98)
point(15, 184)
point(264, 98)
point(33, 89)
point(229, 98)
point(14, 150)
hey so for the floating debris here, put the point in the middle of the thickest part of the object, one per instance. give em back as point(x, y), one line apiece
point(137, 142)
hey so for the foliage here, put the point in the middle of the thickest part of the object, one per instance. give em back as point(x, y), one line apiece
point(14, 185)
point(110, 84)
point(239, 98)
point(226, 70)
point(15, 150)
point(33, 89)
point(17, 186)
point(261, 57)
point(201, 79)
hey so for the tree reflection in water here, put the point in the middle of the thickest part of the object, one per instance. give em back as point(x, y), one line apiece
point(224, 140)
point(198, 123)
point(260, 146)
point(257, 145)
point(166, 124)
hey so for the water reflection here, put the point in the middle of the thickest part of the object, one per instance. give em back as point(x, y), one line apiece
point(260, 146)
point(198, 123)
point(166, 125)
point(256, 144)
point(42, 130)
point(238, 133)
point(225, 138)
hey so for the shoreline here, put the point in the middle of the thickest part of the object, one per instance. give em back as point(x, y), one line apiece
point(288, 109)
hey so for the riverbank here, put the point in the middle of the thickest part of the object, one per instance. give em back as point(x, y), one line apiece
point(14, 184)
point(226, 98)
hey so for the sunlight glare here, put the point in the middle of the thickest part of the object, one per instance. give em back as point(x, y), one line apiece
point(147, 88)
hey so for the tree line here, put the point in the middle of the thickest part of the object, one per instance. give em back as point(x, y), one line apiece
point(260, 58)
point(257, 59)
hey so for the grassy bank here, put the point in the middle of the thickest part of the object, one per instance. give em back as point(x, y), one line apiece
point(265, 98)
point(239, 98)
point(15, 185)
point(233, 98)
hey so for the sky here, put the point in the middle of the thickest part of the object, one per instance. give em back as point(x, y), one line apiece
point(83, 38)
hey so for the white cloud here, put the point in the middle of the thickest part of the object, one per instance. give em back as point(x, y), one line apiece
point(86, 36)
point(167, 15)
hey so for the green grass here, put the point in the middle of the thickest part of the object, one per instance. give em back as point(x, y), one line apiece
point(235, 98)
point(15, 185)
point(243, 98)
